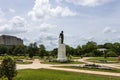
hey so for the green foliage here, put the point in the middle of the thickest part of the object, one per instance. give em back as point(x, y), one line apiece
point(89, 48)
point(11, 50)
point(102, 59)
point(54, 52)
point(111, 54)
point(115, 47)
point(108, 45)
point(79, 51)
point(69, 62)
point(3, 50)
point(1, 71)
point(70, 50)
point(97, 53)
point(32, 50)
point(42, 51)
point(19, 50)
point(45, 74)
point(9, 68)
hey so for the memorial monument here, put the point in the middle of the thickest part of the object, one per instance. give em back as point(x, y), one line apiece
point(61, 49)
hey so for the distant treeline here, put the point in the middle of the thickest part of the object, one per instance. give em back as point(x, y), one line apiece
point(90, 49)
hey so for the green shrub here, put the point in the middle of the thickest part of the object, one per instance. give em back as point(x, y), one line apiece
point(8, 67)
point(111, 54)
point(1, 71)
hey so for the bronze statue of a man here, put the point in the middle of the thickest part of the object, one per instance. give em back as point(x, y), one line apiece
point(62, 37)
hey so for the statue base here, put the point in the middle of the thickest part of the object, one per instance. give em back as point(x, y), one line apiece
point(62, 53)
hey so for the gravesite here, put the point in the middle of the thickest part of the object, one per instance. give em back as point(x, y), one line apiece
point(59, 40)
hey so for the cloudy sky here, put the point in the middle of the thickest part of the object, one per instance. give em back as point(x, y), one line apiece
point(41, 21)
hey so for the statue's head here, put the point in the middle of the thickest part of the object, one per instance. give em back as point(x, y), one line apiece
point(61, 31)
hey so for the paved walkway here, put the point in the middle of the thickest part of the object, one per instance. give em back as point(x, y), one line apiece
point(37, 65)
point(87, 71)
point(84, 60)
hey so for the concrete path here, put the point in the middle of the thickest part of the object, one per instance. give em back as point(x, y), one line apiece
point(37, 65)
point(87, 71)
point(84, 60)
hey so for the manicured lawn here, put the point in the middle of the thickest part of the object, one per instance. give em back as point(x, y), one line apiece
point(102, 59)
point(45, 74)
point(1, 57)
point(74, 57)
point(15, 57)
point(24, 62)
point(19, 59)
point(73, 62)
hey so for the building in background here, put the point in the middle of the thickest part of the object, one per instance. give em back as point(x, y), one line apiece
point(8, 40)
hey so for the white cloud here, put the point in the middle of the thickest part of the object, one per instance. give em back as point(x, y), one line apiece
point(49, 40)
point(15, 26)
point(118, 37)
point(18, 21)
point(60, 11)
point(1, 12)
point(87, 38)
point(44, 37)
point(12, 10)
point(26, 40)
point(89, 3)
point(109, 30)
point(2, 19)
point(59, 1)
point(45, 27)
point(43, 9)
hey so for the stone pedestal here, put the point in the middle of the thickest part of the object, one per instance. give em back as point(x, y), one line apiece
point(61, 52)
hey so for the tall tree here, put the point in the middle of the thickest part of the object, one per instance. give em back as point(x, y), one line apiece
point(11, 50)
point(70, 50)
point(89, 48)
point(32, 50)
point(19, 50)
point(3, 50)
point(42, 51)
point(54, 52)
point(108, 45)
point(79, 51)
point(116, 48)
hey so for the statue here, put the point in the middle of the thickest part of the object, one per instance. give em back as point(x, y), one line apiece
point(61, 36)
point(61, 49)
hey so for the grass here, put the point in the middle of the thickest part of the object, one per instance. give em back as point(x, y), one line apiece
point(102, 59)
point(46, 74)
point(1, 57)
point(18, 58)
point(74, 57)
point(15, 57)
point(24, 62)
point(91, 69)
point(73, 62)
